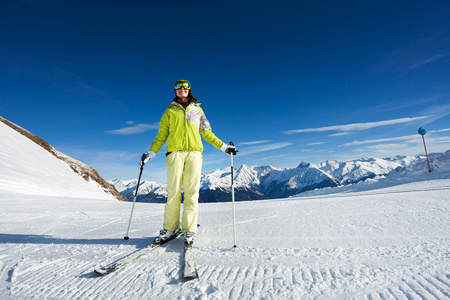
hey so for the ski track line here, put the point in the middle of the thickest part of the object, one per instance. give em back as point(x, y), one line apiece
point(92, 287)
point(121, 278)
point(120, 282)
point(62, 278)
point(61, 292)
point(249, 283)
point(440, 286)
point(415, 287)
point(111, 284)
point(31, 279)
point(430, 289)
point(396, 293)
point(236, 291)
point(117, 283)
point(246, 289)
point(86, 286)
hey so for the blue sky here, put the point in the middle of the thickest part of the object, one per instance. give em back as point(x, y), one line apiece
point(287, 81)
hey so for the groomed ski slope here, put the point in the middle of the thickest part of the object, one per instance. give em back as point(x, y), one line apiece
point(385, 243)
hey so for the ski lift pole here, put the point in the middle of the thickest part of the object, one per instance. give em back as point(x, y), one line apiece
point(232, 196)
point(134, 201)
point(422, 132)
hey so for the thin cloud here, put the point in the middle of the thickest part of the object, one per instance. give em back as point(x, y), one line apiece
point(413, 137)
point(426, 61)
point(356, 126)
point(340, 134)
point(442, 140)
point(270, 157)
point(318, 143)
point(436, 112)
point(399, 104)
point(401, 138)
point(440, 130)
point(263, 148)
point(255, 142)
point(138, 128)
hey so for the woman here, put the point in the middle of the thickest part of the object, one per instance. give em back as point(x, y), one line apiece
point(181, 126)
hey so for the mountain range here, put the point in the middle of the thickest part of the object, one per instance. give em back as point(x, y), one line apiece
point(269, 182)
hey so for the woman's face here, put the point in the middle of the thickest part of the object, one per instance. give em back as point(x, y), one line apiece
point(182, 93)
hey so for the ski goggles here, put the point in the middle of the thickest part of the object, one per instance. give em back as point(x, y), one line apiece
point(182, 84)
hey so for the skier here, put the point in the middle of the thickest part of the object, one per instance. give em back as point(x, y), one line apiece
point(181, 126)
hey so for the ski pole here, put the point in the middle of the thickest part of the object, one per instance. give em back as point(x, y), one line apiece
point(134, 201)
point(232, 195)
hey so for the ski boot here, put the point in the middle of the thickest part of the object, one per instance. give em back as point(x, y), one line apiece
point(164, 235)
point(189, 238)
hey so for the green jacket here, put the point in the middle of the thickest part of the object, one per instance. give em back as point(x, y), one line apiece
point(180, 127)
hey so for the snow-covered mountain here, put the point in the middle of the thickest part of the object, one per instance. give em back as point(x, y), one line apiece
point(268, 182)
point(149, 191)
point(30, 165)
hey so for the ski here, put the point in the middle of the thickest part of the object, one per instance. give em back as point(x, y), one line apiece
point(190, 266)
point(124, 261)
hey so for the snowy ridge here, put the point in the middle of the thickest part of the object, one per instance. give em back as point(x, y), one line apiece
point(284, 183)
point(149, 191)
point(267, 182)
point(354, 171)
point(27, 155)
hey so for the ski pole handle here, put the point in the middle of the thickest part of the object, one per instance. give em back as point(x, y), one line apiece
point(232, 152)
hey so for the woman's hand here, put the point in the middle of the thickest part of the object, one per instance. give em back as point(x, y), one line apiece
point(228, 149)
point(146, 157)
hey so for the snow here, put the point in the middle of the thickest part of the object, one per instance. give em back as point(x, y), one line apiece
point(145, 187)
point(380, 239)
point(29, 169)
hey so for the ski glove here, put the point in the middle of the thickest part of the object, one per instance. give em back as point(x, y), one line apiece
point(228, 149)
point(146, 157)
